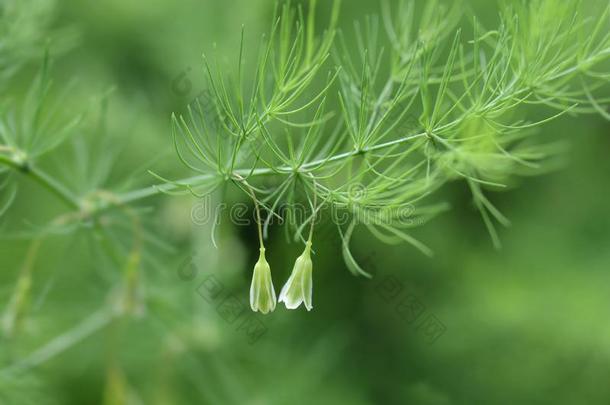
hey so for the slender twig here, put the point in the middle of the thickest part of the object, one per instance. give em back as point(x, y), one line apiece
point(53, 186)
point(146, 192)
point(250, 191)
point(43, 179)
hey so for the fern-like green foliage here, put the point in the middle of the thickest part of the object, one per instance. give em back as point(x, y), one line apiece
point(367, 124)
point(429, 98)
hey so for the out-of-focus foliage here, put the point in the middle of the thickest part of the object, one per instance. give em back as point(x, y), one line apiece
point(145, 303)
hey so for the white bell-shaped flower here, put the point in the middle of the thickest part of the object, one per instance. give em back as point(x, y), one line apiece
point(262, 293)
point(298, 288)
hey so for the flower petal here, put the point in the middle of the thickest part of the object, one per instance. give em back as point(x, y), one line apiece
point(262, 293)
point(298, 288)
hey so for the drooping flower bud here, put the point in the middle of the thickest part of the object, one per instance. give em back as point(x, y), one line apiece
point(262, 293)
point(297, 289)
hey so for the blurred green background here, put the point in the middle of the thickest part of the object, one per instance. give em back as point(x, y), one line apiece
point(525, 324)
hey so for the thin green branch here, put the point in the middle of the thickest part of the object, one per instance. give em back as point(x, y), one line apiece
point(44, 179)
point(136, 195)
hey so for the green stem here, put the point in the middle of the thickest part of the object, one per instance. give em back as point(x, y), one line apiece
point(53, 186)
point(71, 200)
point(43, 179)
point(192, 181)
point(256, 207)
point(315, 209)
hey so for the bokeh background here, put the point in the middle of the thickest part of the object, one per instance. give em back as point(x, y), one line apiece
point(525, 324)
